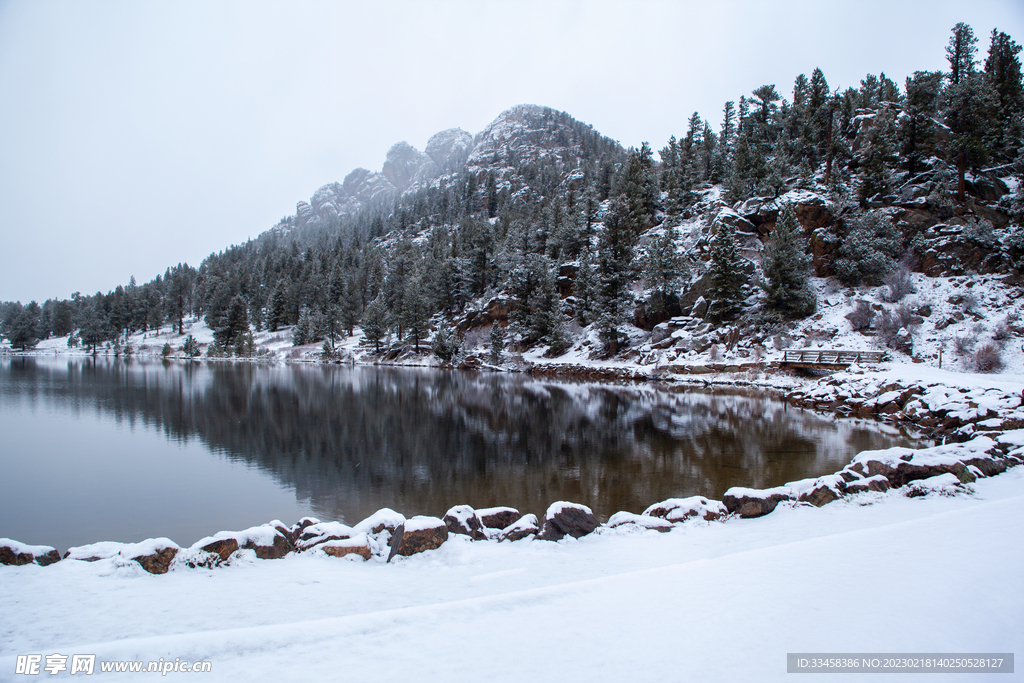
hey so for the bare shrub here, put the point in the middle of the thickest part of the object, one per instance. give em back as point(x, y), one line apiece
point(898, 283)
point(887, 325)
point(906, 317)
point(713, 353)
point(964, 345)
point(988, 358)
point(1002, 331)
point(971, 304)
point(861, 316)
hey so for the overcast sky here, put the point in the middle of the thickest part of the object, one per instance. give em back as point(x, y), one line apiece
point(137, 135)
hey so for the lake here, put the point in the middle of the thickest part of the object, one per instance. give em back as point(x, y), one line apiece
point(108, 449)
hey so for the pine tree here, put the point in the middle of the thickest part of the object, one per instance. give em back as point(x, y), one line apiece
point(786, 287)
point(968, 111)
point(497, 341)
point(663, 268)
point(375, 322)
point(727, 272)
point(191, 347)
point(614, 272)
point(961, 52)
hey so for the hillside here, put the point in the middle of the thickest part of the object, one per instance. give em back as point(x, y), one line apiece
point(874, 216)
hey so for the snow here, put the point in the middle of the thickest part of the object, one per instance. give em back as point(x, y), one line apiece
point(101, 551)
point(422, 523)
point(743, 492)
point(385, 517)
point(607, 608)
point(353, 542)
point(150, 546)
point(19, 548)
point(557, 507)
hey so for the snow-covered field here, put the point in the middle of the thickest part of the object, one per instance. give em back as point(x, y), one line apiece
point(705, 601)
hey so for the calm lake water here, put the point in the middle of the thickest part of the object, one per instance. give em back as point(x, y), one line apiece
point(102, 449)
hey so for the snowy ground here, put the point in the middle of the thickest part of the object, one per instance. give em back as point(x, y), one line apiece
point(706, 601)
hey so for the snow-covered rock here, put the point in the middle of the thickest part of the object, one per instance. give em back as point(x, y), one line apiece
point(381, 520)
point(567, 519)
point(682, 509)
point(524, 527)
point(15, 553)
point(497, 517)
point(755, 502)
point(462, 519)
point(154, 554)
point(418, 534)
point(357, 545)
point(620, 519)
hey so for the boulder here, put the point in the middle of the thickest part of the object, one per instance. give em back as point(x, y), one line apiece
point(749, 503)
point(525, 527)
point(877, 483)
point(223, 547)
point(621, 519)
point(567, 519)
point(315, 534)
point(497, 517)
point(902, 465)
point(944, 485)
point(14, 553)
point(416, 535)
point(357, 545)
point(463, 520)
point(384, 519)
point(154, 555)
point(94, 551)
point(682, 509)
point(296, 529)
point(268, 542)
point(820, 490)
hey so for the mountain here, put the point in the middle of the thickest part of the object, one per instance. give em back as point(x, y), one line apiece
point(520, 135)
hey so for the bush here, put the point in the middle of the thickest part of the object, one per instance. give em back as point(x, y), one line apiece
point(445, 345)
point(860, 317)
point(898, 283)
point(964, 345)
point(1002, 331)
point(988, 358)
point(166, 351)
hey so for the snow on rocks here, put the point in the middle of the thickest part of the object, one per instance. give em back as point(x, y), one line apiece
point(464, 520)
point(902, 465)
point(154, 554)
point(358, 545)
point(416, 535)
point(624, 519)
point(497, 517)
point(755, 502)
point(384, 519)
point(944, 485)
point(14, 553)
point(818, 491)
point(877, 483)
point(525, 527)
point(682, 509)
point(322, 532)
point(94, 552)
point(567, 519)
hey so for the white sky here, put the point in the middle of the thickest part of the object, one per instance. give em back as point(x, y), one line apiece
point(136, 135)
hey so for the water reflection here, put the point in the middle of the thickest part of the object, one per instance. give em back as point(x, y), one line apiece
point(348, 441)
